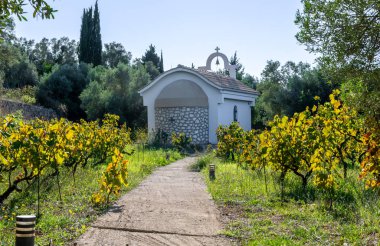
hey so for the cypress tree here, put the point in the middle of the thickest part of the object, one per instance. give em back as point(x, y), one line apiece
point(83, 42)
point(161, 69)
point(90, 37)
point(97, 38)
point(90, 44)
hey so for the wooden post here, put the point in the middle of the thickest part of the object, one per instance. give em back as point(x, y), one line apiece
point(25, 230)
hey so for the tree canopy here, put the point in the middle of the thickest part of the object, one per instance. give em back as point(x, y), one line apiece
point(61, 88)
point(345, 32)
point(288, 89)
point(115, 90)
point(48, 52)
point(15, 68)
point(234, 60)
point(8, 8)
point(7, 31)
point(151, 55)
point(114, 54)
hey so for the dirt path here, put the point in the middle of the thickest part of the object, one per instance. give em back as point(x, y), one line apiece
point(171, 207)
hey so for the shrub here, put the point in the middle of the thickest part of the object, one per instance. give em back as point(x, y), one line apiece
point(181, 142)
point(60, 90)
point(230, 140)
point(28, 99)
point(159, 138)
point(115, 91)
point(140, 136)
point(20, 75)
point(25, 94)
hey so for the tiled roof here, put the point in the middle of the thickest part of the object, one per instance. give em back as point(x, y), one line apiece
point(226, 82)
point(220, 81)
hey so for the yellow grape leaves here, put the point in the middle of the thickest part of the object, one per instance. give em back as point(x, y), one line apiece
point(112, 179)
point(318, 143)
point(41, 147)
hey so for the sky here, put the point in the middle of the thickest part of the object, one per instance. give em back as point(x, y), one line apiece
point(186, 31)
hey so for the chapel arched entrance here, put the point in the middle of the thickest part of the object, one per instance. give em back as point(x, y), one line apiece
point(182, 106)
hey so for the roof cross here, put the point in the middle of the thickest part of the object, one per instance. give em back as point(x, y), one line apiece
point(217, 49)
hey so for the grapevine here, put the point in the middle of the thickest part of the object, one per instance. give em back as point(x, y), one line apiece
point(38, 147)
point(320, 143)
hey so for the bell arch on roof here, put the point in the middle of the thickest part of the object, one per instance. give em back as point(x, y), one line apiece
point(227, 66)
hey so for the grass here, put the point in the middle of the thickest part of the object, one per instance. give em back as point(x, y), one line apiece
point(201, 163)
point(63, 221)
point(257, 216)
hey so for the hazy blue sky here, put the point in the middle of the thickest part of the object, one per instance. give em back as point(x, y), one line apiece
point(186, 31)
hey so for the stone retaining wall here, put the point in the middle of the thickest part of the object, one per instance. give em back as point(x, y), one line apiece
point(193, 121)
point(28, 111)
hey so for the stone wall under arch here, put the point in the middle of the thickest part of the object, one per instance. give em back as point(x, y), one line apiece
point(191, 120)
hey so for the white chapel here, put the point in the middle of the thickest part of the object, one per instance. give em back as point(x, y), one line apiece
point(197, 101)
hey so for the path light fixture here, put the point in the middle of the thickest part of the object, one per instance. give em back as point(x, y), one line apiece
point(25, 230)
point(212, 171)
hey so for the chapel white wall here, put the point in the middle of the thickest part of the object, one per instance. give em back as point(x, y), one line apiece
point(226, 113)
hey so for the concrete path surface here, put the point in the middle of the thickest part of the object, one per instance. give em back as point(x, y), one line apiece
point(171, 207)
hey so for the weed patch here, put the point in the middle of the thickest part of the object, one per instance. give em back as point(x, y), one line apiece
point(255, 214)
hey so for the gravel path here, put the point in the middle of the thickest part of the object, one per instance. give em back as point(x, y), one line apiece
point(171, 207)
